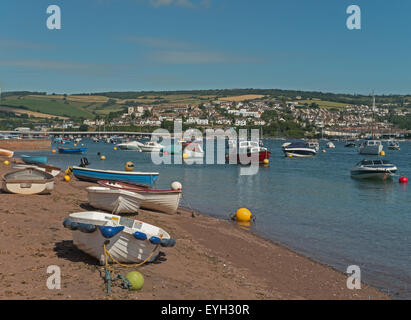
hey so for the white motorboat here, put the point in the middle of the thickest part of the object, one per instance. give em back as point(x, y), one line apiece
point(193, 150)
point(166, 201)
point(54, 171)
point(298, 149)
point(330, 145)
point(114, 200)
point(393, 145)
point(28, 181)
point(132, 145)
point(370, 147)
point(152, 146)
point(313, 144)
point(126, 240)
point(373, 169)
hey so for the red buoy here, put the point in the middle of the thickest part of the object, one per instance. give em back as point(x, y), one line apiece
point(403, 180)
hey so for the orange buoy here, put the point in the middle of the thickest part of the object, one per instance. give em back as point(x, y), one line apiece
point(403, 180)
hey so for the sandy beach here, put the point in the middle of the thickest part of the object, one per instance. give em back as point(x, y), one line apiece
point(212, 259)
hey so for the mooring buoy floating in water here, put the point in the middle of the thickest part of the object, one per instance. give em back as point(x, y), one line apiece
point(403, 180)
point(243, 215)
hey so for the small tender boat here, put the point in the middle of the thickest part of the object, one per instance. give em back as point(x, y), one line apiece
point(350, 144)
point(137, 178)
point(373, 169)
point(34, 159)
point(370, 147)
point(6, 153)
point(313, 144)
point(28, 181)
point(298, 149)
point(393, 145)
point(247, 149)
point(152, 146)
point(166, 201)
point(54, 171)
point(330, 145)
point(114, 200)
point(72, 150)
point(126, 240)
point(132, 145)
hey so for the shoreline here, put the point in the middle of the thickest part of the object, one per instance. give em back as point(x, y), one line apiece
point(212, 259)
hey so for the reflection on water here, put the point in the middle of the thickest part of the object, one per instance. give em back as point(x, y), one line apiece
point(311, 205)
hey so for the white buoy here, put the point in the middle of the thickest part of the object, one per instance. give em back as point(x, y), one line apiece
point(176, 185)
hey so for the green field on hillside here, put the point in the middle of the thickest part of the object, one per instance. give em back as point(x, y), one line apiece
point(324, 104)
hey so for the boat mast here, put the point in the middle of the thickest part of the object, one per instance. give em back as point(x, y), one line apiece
point(373, 115)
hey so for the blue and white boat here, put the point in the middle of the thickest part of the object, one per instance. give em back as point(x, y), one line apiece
point(374, 169)
point(136, 178)
point(34, 159)
point(72, 150)
point(298, 149)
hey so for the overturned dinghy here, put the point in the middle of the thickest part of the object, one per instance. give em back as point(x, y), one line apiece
point(113, 200)
point(126, 240)
point(28, 181)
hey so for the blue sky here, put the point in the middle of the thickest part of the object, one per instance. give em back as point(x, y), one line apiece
point(122, 45)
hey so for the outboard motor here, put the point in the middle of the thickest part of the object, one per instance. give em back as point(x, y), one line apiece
point(84, 162)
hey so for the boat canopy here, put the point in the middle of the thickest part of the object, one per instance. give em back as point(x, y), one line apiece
point(298, 144)
point(373, 162)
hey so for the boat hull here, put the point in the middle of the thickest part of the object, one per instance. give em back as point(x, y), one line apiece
point(28, 181)
point(54, 171)
point(6, 153)
point(300, 153)
point(34, 159)
point(94, 175)
point(78, 150)
point(262, 155)
point(372, 175)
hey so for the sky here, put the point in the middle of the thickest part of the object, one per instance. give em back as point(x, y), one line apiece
point(136, 45)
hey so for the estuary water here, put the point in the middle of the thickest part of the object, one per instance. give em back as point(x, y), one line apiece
point(310, 205)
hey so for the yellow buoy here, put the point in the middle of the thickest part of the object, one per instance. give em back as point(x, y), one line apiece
point(382, 153)
point(115, 148)
point(6, 162)
point(129, 166)
point(290, 155)
point(75, 144)
point(266, 161)
point(53, 151)
point(67, 178)
point(103, 158)
point(243, 215)
point(185, 155)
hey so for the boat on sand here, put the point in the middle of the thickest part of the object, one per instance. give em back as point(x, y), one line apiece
point(6, 153)
point(28, 181)
point(54, 171)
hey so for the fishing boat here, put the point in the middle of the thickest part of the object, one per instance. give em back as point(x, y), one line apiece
point(298, 149)
point(28, 181)
point(54, 171)
point(114, 200)
point(34, 159)
point(126, 240)
point(6, 153)
point(132, 145)
point(247, 149)
point(152, 146)
point(370, 147)
point(166, 201)
point(94, 175)
point(393, 145)
point(72, 150)
point(373, 169)
point(330, 145)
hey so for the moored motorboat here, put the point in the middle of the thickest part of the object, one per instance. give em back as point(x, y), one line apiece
point(6, 153)
point(246, 151)
point(166, 201)
point(94, 175)
point(393, 145)
point(330, 145)
point(370, 147)
point(28, 181)
point(126, 240)
point(350, 144)
point(152, 146)
point(34, 159)
point(373, 169)
point(72, 150)
point(298, 149)
point(132, 145)
point(54, 171)
point(114, 200)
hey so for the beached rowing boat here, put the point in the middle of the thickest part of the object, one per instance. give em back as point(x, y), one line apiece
point(114, 200)
point(54, 171)
point(126, 240)
point(137, 178)
point(6, 153)
point(34, 159)
point(28, 181)
point(166, 201)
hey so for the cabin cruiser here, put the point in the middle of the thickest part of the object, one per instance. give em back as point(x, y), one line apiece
point(298, 149)
point(132, 145)
point(247, 148)
point(373, 169)
point(152, 146)
point(330, 145)
point(371, 147)
point(393, 145)
point(313, 144)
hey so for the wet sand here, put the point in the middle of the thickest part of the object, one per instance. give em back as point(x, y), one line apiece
point(212, 259)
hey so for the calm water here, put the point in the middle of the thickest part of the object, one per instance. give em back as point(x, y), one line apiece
point(309, 205)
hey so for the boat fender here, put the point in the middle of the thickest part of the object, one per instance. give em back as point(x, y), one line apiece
point(109, 232)
point(67, 223)
point(86, 227)
point(155, 240)
point(140, 235)
point(168, 242)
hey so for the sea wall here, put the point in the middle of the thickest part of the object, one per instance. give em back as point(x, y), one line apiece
point(26, 144)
